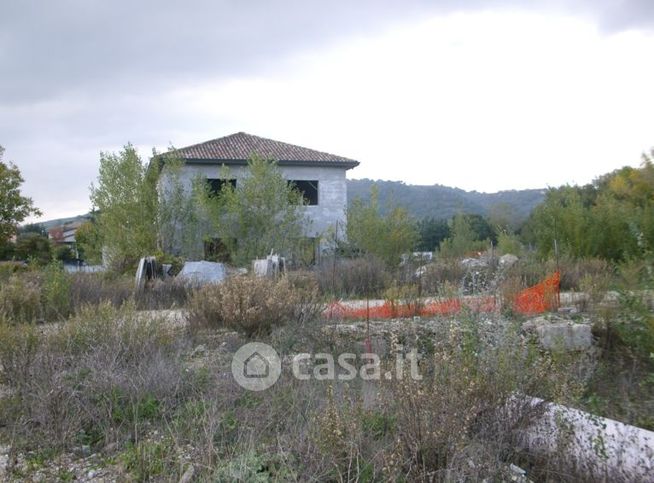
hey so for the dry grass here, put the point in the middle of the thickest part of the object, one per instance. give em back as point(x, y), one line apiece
point(137, 392)
point(251, 305)
point(353, 277)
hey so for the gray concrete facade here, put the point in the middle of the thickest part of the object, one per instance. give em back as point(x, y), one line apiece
point(326, 215)
point(332, 191)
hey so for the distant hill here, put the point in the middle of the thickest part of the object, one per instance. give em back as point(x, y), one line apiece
point(437, 201)
point(63, 221)
point(443, 202)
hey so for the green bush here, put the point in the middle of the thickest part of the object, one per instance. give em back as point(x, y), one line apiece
point(35, 247)
point(55, 292)
point(146, 460)
point(509, 243)
point(634, 324)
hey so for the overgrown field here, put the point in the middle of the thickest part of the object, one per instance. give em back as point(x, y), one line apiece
point(113, 391)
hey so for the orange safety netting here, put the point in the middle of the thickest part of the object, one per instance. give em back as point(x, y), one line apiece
point(536, 299)
point(539, 298)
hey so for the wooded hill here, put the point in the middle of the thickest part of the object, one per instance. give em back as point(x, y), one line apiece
point(443, 202)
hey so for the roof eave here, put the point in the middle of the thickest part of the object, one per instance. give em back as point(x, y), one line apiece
point(348, 164)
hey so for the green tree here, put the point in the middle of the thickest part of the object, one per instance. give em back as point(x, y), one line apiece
point(466, 232)
point(7, 249)
point(562, 221)
point(386, 237)
point(613, 218)
point(33, 228)
point(431, 233)
point(502, 218)
point(35, 247)
point(126, 199)
point(262, 213)
point(14, 207)
point(89, 242)
point(181, 231)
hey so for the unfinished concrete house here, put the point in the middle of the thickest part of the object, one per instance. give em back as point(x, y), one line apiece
point(320, 176)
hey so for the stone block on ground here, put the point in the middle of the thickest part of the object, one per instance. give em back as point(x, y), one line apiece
point(556, 333)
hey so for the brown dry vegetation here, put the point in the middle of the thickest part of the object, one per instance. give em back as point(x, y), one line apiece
point(149, 399)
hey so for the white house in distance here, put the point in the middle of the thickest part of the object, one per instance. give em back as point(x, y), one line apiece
point(320, 176)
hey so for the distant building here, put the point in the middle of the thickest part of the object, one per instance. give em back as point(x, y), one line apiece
point(320, 176)
point(64, 234)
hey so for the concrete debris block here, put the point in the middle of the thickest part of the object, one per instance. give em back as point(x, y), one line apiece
point(420, 257)
point(507, 260)
point(202, 273)
point(272, 266)
point(77, 268)
point(568, 336)
point(474, 263)
point(188, 475)
point(570, 310)
point(602, 448)
point(424, 256)
point(261, 267)
point(421, 271)
point(560, 334)
point(518, 474)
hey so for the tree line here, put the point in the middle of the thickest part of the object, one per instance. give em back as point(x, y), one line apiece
point(142, 208)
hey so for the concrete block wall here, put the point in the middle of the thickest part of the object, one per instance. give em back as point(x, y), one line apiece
point(332, 192)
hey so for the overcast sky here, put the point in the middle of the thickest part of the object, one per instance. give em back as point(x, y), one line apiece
point(497, 95)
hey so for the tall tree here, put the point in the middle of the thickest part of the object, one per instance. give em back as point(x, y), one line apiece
point(126, 200)
point(89, 242)
point(14, 207)
point(384, 236)
point(263, 212)
point(468, 233)
point(181, 230)
point(611, 219)
point(432, 232)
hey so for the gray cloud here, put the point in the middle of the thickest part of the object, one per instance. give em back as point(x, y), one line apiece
point(47, 48)
point(78, 76)
point(117, 46)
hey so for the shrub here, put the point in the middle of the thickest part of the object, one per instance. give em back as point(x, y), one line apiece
point(440, 274)
point(97, 288)
point(576, 273)
point(634, 325)
point(249, 305)
point(35, 247)
point(55, 292)
point(162, 294)
point(20, 299)
point(7, 269)
point(104, 373)
point(355, 277)
point(509, 243)
point(466, 416)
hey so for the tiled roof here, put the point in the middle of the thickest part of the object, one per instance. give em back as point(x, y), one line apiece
point(240, 147)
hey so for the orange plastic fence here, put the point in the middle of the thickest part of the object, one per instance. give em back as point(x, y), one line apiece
point(539, 298)
point(536, 299)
